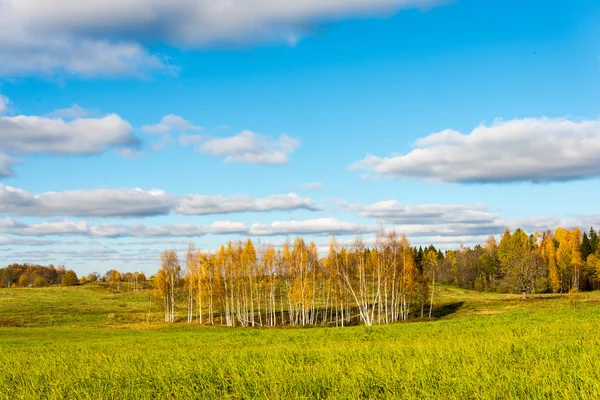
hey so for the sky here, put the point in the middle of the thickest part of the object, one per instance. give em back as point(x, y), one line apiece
point(131, 126)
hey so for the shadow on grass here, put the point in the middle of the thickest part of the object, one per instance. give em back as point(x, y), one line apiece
point(446, 309)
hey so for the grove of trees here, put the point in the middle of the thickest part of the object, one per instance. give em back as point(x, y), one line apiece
point(245, 285)
point(24, 275)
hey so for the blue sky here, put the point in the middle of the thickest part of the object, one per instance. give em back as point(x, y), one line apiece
point(445, 120)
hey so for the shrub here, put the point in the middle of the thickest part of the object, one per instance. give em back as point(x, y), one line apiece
point(24, 280)
point(69, 278)
point(40, 282)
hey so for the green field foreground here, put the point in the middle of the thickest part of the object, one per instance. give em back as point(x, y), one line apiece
point(85, 342)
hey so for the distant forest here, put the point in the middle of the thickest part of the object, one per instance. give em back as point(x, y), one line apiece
point(246, 285)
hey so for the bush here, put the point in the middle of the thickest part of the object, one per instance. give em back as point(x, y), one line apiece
point(70, 278)
point(24, 280)
point(83, 280)
point(40, 282)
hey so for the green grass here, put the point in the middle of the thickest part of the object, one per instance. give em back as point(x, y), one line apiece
point(84, 342)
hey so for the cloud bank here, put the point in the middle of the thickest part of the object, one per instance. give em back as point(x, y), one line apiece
point(137, 203)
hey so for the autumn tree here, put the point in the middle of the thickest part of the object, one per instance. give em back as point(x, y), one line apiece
point(167, 280)
point(39, 282)
point(522, 266)
point(24, 280)
point(430, 265)
point(568, 256)
point(69, 278)
point(548, 253)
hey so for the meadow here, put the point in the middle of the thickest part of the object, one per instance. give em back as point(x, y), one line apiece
point(86, 342)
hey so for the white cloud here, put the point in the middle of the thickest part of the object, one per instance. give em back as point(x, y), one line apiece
point(8, 241)
point(174, 230)
point(170, 123)
point(250, 148)
point(97, 37)
point(519, 150)
point(451, 229)
point(87, 203)
point(321, 226)
point(447, 220)
point(73, 112)
point(62, 132)
point(34, 53)
point(3, 104)
point(135, 203)
point(171, 126)
point(64, 227)
point(82, 136)
point(203, 205)
point(6, 163)
point(392, 212)
point(82, 228)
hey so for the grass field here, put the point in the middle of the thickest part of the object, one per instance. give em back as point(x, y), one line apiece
point(85, 342)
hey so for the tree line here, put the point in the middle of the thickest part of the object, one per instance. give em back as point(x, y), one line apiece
point(245, 285)
point(248, 284)
point(34, 275)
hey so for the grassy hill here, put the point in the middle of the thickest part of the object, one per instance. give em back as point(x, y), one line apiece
point(86, 342)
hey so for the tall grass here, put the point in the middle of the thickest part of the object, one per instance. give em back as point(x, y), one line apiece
point(536, 349)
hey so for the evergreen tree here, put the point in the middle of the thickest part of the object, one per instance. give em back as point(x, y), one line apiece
point(594, 240)
point(586, 246)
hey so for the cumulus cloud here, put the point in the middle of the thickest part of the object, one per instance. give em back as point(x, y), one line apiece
point(63, 227)
point(120, 203)
point(64, 132)
point(170, 123)
point(135, 203)
point(6, 165)
point(173, 129)
point(250, 148)
point(519, 150)
point(97, 37)
point(82, 136)
point(37, 54)
point(203, 205)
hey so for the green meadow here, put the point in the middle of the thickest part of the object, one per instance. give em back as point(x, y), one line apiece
point(87, 343)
